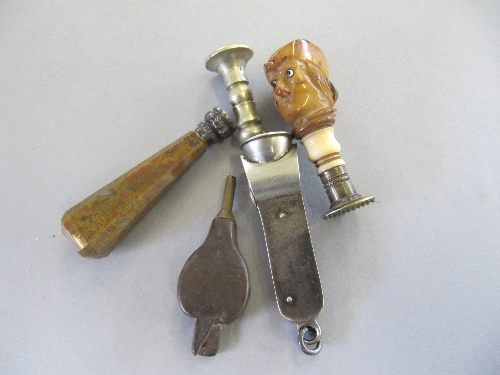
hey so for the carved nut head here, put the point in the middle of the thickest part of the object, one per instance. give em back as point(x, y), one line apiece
point(303, 93)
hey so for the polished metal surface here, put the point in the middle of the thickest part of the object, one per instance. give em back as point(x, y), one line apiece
point(272, 180)
point(341, 192)
point(230, 63)
point(296, 279)
point(214, 284)
point(267, 147)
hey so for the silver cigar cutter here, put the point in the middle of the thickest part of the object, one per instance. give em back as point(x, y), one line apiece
point(271, 165)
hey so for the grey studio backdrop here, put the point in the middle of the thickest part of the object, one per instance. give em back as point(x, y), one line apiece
point(411, 282)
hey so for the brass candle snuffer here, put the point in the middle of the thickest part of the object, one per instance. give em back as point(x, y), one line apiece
point(305, 97)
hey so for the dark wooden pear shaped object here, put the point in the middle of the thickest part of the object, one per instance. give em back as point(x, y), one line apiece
point(214, 284)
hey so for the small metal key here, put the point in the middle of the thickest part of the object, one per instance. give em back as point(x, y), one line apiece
point(214, 284)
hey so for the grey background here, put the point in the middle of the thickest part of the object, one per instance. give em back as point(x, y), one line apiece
point(412, 284)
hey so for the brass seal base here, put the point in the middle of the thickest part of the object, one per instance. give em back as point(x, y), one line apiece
point(341, 192)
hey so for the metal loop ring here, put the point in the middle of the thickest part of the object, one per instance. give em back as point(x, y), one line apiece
point(314, 345)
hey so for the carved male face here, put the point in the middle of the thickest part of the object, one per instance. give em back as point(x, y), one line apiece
point(303, 93)
point(300, 90)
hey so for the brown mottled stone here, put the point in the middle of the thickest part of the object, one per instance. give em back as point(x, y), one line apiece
point(98, 223)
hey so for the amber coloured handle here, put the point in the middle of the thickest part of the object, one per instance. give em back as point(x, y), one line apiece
point(305, 98)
